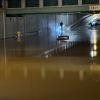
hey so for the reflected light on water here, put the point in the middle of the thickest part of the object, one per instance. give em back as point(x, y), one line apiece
point(61, 72)
point(94, 47)
point(93, 54)
point(93, 51)
point(81, 75)
point(93, 37)
point(43, 74)
point(25, 72)
point(19, 40)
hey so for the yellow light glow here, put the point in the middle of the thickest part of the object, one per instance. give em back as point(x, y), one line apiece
point(93, 54)
point(94, 37)
point(93, 51)
point(94, 47)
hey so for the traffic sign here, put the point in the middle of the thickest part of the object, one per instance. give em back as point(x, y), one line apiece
point(94, 7)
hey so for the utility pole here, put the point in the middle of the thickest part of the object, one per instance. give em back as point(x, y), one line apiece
point(4, 27)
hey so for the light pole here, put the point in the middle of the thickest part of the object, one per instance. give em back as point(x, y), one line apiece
point(4, 27)
point(4, 21)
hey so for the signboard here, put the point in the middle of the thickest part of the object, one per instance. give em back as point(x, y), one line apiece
point(94, 8)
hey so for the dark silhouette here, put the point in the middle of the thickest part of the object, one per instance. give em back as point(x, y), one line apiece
point(61, 25)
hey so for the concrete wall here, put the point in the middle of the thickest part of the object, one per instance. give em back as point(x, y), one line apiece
point(37, 24)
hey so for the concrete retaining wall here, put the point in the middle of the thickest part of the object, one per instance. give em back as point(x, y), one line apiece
point(37, 24)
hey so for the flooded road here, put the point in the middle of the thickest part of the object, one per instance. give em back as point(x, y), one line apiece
point(72, 78)
point(71, 72)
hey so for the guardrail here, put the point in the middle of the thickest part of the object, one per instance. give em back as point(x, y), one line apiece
point(64, 46)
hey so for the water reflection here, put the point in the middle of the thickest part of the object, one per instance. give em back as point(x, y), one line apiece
point(93, 51)
point(36, 78)
point(43, 67)
point(61, 72)
point(53, 78)
point(43, 73)
point(81, 75)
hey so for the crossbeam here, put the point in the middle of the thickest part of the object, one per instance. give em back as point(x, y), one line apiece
point(53, 9)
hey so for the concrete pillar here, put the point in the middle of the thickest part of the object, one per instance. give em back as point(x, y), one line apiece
point(59, 3)
point(6, 3)
point(79, 2)
point(40, 3)
point(22, 3)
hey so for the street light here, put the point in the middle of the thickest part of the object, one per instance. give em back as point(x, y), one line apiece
point(4, 21)
point(4, 27)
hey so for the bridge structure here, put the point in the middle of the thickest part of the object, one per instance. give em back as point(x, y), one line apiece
point(62, 6)
point(29, 17)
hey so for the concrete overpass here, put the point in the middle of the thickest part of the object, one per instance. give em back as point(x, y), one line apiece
point(63, 9)
point(59, 8)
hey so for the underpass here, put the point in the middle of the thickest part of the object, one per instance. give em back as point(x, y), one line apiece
point(84, 37)
point(34, 65)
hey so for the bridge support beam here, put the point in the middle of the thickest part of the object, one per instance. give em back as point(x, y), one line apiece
point(40, 3)
point(22, 3)
point(59, 3)
point(79, 2)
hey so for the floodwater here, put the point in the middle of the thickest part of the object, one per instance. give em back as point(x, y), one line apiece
point(39, 69)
